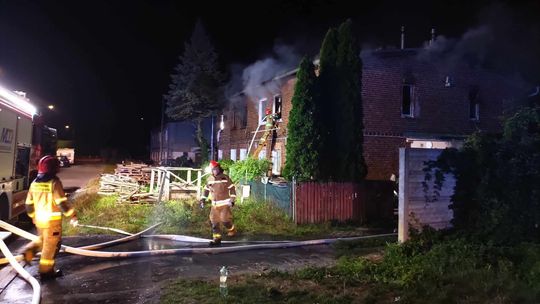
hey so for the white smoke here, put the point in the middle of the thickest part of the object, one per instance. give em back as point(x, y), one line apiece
point(257, 80)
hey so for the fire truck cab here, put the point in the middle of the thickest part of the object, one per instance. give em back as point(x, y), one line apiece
point(16, 114)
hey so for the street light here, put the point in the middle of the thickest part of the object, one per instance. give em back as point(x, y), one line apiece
point(51, 107)
point(67, 127)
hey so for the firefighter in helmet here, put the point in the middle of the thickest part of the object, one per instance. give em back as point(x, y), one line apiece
point(45, 204)
point(269, 120)
point(223, 192)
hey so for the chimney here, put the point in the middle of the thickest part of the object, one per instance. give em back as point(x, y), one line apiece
point(432, 36)
point(402, 37)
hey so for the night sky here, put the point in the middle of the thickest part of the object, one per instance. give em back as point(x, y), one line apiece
point(106, 64)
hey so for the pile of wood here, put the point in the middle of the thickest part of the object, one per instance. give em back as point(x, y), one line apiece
point(111, 184)
point(139, 172)
point(127, 188)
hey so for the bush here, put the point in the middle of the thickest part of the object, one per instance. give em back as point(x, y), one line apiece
point(496, 195)
point(249, 169)
point(443, 269)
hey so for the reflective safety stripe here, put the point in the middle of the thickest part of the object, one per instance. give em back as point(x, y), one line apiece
point(46, 262)
point(216, 236)
point(231, 186)
point(31, 214)
point(232, 229)
point(222, 202)
point(217, 182)
point(29, 202)
point(41, 187)
point(55, 216)
point(69, 212)
point(60, 200)
point(233, 195)
point(44, 216)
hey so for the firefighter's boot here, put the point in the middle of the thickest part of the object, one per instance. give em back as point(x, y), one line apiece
point(50, 275)
point(231, 230)
point(216, 241)
point(28, 256)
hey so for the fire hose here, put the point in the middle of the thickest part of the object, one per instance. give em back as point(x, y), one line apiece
point(86, 251)
point(21, 271)
point(91, 251)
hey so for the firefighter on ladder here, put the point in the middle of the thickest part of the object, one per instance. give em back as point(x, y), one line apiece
point(223, 192)
point(45, 204)
point(269, 120)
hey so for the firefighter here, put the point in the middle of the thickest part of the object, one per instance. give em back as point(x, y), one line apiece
point(45, 204)
point(223, 192)
point(269, 120)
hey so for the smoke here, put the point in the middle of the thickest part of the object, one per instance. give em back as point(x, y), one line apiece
point(257, 80)
point(472, 48)
point(503, 40)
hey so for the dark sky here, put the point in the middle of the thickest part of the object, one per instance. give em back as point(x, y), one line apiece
point(106, 64)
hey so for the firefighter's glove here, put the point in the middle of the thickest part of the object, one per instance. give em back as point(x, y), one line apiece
point(74, 221)
point(201, 203)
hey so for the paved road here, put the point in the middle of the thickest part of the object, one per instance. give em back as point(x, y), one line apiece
point(78, 176)
point(140, 280)
point(73, 178)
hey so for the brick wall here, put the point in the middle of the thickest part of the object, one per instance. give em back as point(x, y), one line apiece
point(238, 137)
point(440, 111)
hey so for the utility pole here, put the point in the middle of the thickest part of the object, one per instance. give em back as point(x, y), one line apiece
point(161, 131)
point(212, 140)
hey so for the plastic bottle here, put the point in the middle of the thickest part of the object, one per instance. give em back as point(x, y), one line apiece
point(223, 274)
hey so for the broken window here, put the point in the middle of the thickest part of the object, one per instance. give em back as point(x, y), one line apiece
point(407, 105)
point(277, 106)
point(243, 115)
point(474, 105)
point(239, 115)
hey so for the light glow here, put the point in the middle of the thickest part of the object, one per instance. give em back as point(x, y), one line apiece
point(16, 102)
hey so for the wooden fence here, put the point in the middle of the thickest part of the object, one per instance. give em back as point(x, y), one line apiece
point(321, 202)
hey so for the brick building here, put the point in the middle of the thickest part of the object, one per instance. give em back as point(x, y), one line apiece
point(408, 101)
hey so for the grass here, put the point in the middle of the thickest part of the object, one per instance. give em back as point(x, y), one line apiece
point(446, 270)
point(310, 285)
point(253, 220)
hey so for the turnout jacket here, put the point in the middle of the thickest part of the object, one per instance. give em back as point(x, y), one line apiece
point(46, 201)
point(221, 188)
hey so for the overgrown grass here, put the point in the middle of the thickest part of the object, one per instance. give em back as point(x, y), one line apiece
point(104, 211)
point(265, 289)
point(253, 220)
point(426, 270)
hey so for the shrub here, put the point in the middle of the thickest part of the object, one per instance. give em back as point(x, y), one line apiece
point(248, 169)
point(496, 195)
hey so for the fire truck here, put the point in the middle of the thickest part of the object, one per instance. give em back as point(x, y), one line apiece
point(22, 143)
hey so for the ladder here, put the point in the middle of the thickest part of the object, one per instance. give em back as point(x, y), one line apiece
point(263, 141)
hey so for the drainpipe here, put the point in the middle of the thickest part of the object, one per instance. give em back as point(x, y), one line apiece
point(402, 37)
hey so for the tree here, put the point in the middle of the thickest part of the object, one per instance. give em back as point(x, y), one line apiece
point(327, 116)
point(302, 135)
point(341, 114)
point(351, 127)
point(196, 89)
